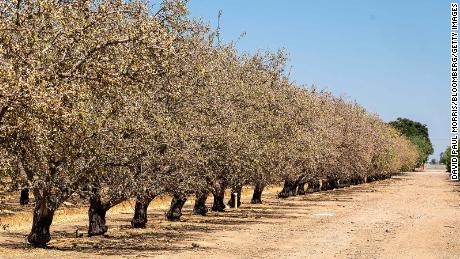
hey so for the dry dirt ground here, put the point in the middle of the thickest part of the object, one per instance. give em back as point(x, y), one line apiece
point(414, 215)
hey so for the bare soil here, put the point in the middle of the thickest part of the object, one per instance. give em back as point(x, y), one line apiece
point(414, 215)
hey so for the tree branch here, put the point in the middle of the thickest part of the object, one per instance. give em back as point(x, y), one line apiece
point(3, 112)
point(98, 48)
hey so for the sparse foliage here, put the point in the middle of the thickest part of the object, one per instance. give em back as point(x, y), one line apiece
point(106, 100)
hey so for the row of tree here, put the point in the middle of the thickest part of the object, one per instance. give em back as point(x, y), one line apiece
point(110, 100)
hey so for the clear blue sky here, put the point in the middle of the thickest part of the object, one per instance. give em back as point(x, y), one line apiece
point(392, 57)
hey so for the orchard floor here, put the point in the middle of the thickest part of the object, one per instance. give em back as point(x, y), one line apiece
point(414, 215)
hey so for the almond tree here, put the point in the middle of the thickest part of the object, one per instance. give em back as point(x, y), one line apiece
point(69, 81)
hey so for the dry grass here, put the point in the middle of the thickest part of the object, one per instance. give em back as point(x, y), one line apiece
point(162, 237)
point(121, 239)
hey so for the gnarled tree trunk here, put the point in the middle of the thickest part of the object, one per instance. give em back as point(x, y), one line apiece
point(96, 215)
point(301, 188)
point(257, 195)
point(218, 202)
point(358, 180)
point(344, 183)
point(43, 217)
point(333, 184)
point(140, 212)
point(289, 189)
point(313, 186)
point(175, 210)
point(232, 202)
point(200, 207)
point(324, 185)
point(24, 199)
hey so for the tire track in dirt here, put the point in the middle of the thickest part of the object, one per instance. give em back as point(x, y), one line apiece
point(410, 216)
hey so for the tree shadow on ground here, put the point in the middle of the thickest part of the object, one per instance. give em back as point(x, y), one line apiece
point(161, 236)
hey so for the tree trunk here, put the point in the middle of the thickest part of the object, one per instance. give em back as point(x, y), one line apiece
point(289, 189)
point(346, 183)
point(175, 210)
point(359, 180)
point(24, 199)
point(310, 187)
point(218, 203)
point(257, 195)
point(231, 202)
point(200, 207)
point(301, 189)
point(96, 215)
point(140, 212)
point(313, 186)
point(333, 184)
point(43, 217)
point(324, 185)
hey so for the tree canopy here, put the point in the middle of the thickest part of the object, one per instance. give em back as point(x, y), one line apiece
point(103, 99)
point(418, 135)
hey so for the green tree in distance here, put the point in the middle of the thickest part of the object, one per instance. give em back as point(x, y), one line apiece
point(445, 158)
point(418, 135)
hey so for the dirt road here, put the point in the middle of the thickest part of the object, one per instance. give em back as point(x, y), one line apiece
point(415, 215)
